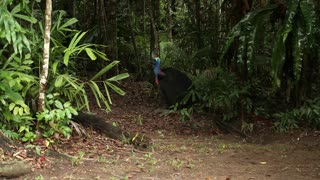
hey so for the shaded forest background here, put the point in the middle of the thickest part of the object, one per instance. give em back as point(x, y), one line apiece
point(247, 59)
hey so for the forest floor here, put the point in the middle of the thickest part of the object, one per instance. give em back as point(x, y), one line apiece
point(189, 150)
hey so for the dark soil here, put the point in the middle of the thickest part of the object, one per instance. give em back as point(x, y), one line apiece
point(189, 150)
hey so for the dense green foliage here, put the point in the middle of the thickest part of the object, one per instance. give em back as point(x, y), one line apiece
point(245, 60)
point(269, 55)
point(21, 32)
point(293, 54)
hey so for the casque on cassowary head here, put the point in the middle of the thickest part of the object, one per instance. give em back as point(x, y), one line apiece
point(172, 82)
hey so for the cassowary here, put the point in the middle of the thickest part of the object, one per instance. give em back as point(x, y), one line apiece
point(172, 82)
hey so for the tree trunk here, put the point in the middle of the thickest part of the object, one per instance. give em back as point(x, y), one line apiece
point(11, 169)
point(154, 14)
point(139, 141)
point(46, 51)
point(111, 28)
point(14, 169)
point(198, 24)
point(133, 38)
point(170, 5)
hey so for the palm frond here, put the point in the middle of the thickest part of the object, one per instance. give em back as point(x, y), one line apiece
point(246, 31)
point(279, 50)
point(298, 45)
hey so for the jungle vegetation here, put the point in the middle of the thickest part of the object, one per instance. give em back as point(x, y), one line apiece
point(246, 58)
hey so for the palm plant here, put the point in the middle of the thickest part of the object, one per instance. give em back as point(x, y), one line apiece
point(19, 73)
point(293, 49)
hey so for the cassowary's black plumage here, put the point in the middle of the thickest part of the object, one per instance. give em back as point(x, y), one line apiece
point(172, 82)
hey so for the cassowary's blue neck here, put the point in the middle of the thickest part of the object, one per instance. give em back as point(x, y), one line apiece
point(156, 69)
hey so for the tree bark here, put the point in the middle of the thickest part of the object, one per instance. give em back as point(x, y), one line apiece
point(13, 169)
point(198, 24)
point(133, 37)
point(139, 141)
point(154, 14)
point(170, 4)
point(111, 28)
point(6, 144)
point(46, 52)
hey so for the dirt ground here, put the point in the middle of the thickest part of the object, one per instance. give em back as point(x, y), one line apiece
point(181, 150)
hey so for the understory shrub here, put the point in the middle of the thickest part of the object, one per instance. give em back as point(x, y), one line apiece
point(306, 115)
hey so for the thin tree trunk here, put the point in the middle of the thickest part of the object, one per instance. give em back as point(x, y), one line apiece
point(133, 37)
point(111, 28)
point(153, 13)
point(198, 24)
point(46, 51)
point(170, 4)
point(144, 29)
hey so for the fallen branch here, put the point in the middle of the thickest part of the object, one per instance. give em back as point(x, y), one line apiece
point(100, 125)
point(14, 169)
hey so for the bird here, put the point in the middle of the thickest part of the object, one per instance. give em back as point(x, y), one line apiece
point(172, 83)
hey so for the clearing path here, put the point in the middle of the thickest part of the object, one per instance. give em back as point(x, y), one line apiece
point(181, 150)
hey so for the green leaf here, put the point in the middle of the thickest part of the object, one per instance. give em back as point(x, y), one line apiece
point(50, 96)
point(27, 62)
point(116, 88)
point(38, 150)
point(26, 42)
point(107, 92)
point(27, 110)
point(26, 18)
point(59, 81)
point(69, 23)
point(11, 106)
point(66, 57)
point(68, 114)
point(75, 40)
point(16, 111)
point(67, 104)
point(22, 128)
point(297, 44)
point(104, 70)
point(119, 77)
point(58, 104)
point(62, 114)
point(90, 54)
point(308, 11)
point(95, 89)
point(55, 67)
point(73, 111)
point(21, 111)
point(16, 9)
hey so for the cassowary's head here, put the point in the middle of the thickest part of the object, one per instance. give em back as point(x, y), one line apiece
point(156, 69)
